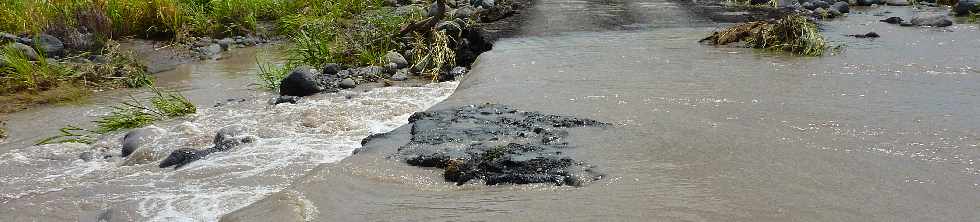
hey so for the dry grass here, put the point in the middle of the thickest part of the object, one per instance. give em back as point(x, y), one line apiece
point(793, 33)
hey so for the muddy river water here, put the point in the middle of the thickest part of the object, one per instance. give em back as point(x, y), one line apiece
point(884, 130)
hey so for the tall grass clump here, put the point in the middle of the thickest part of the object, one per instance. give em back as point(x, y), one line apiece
point(352, 32)
point(270, 75)
point(22, 74)
point(128, 115)
point(794, 33)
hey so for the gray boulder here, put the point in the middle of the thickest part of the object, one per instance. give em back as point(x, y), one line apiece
point(841, 7)
point(227, 138)
point(397, 59)
point(301, 82)
point(210, 51)
point(138, 138)
point(347, 83)
point(229, 133)
point(932, 20)
point(400, 75)
point(49, 45)
point(965, 7)
point(26, 50)
point(464, 12)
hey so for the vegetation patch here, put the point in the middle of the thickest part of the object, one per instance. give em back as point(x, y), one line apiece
point(25, 81)
point(794, 33)
point(128, 115)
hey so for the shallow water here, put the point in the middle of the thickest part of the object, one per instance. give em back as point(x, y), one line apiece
point(51, 183)
point(885, 130)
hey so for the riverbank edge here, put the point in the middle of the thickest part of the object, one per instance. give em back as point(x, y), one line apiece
point(289, 205)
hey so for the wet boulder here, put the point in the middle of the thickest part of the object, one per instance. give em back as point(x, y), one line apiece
point(893, 20)
point(965, 7)
point(141, 146)
point(26, 50)
point(932, 20)
point(49, 45)
point(869, 2)
point(225, 139)
point(331, 69)
point(496, 144)
point(809, 6)
point(841, 7)
point(866, 35)
point(464, 12)
point(396, 58)
point(284, 99)
point(138, 138)
point(302, 81)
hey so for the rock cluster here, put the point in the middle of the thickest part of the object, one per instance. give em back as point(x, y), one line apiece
point(496, 144)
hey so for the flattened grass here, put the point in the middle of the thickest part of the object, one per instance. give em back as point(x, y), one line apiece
point(794, 33)
point(129, 115)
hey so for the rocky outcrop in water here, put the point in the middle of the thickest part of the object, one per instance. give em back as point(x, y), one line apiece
point(227, 138)
point(496, 144)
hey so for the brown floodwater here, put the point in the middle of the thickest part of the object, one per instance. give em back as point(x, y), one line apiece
point(884, 130)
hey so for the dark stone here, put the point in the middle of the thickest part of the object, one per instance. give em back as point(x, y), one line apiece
point(841, 7)
point(965, 7)
point(496, 13)
point(134, 139)
point(892, 20)
point(285, 99)
point(301, 82)
point(451, 28)
point(181, 157)
point(809, 6)
point(331, 69)
point(821, 4)
point(867, 35)
point(227, 138)
point(347, 83)
point(49, 45)
point(932, 20)
point(100, 59)
point(497, 144)
point(869, 2)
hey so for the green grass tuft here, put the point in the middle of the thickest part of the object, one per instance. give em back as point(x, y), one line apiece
point(129, 115)
point(270, 75)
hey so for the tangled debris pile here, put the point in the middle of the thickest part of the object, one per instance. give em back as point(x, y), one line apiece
point(497, 144)
point(794, 33)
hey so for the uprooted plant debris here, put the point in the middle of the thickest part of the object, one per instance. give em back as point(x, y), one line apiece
point(793, 33)
point(497, 144)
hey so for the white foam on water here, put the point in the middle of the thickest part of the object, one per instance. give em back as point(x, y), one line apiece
point(293, 139)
